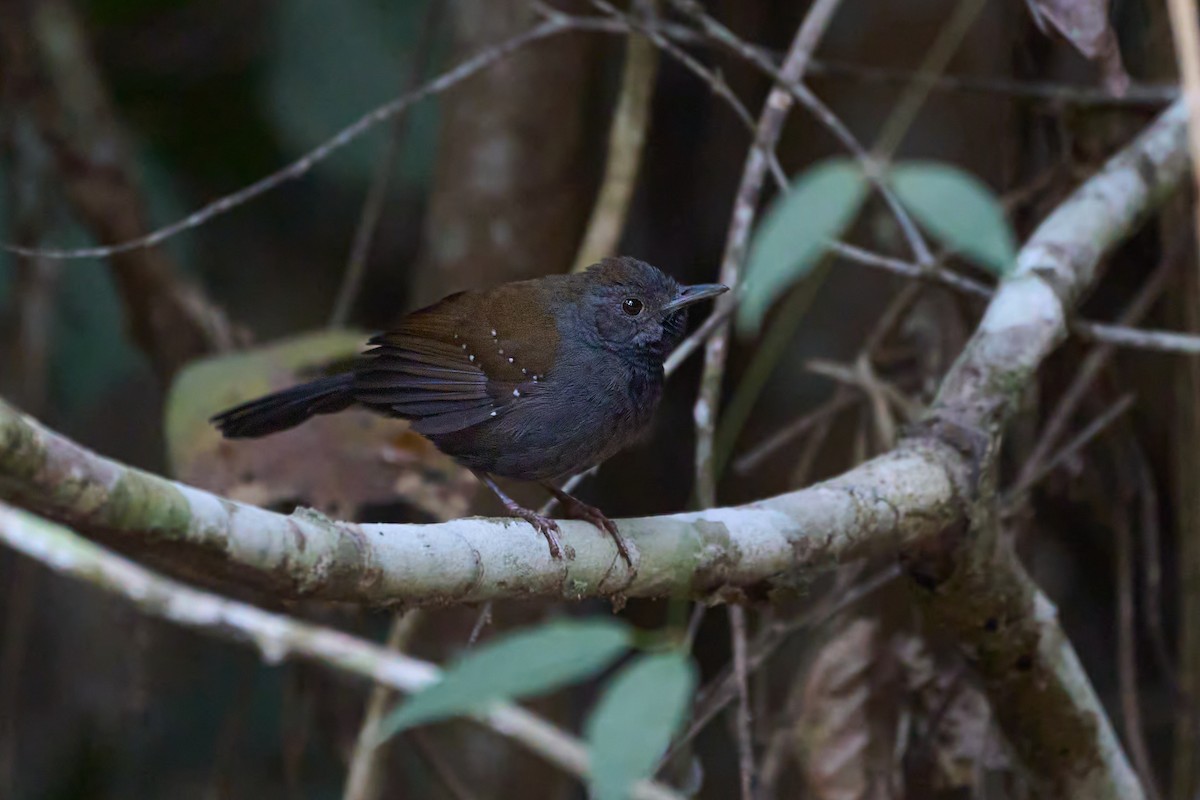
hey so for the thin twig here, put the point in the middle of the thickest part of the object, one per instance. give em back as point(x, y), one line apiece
point(770, 125)
point(1138, 94)
point(1155, 94)
point(840, 401)
point(787, 320)
point(714, 698)
point(950, 35)
point(626, 141)
point(715, 80)
point(483, 620)
point(939, 275)
point(1185, 30)
point(1127, 674)
point(372, 209)
point(451, 779)
point(276, 636)
point(699, 337)
point(363, 777)
point(870, 384)
point(1117, 335)
point(1093, 429)
point(1150, 527)
point(1120, 336)
point(745, 743)
point(1090, 368)
point(821, 112)
point(549, 28)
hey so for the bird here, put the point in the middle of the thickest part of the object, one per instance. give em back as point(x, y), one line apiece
point(531, 380)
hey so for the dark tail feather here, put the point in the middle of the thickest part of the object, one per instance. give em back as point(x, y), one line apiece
point(288, 408)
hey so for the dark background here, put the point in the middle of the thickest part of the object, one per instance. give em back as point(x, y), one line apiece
point(494, 181)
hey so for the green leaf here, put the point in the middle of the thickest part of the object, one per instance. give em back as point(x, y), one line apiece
point(519, 665)
point(795, 232)
point(633, 723)
point(960, 210)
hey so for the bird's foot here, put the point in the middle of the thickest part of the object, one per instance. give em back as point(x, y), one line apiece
point(543, 525)
point(574, 508)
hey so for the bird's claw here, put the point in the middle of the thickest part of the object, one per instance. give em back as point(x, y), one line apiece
point(577, 509)
point(546, 527)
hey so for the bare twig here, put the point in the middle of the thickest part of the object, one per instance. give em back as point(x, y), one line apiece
point(363, 777)
point(745, 743)
point(1138, 94)
point(935, 274)
point(1065, 94)
point(699, 337)
point(1090, 368)
point(1070, 449)
point(372, 210)
point(1127, 675)
point(785, 322)
point(1150, 528)
point(1120, 336)
point(1102, 332)
point(716, 81)
point(277, 637)
point(554, 26)
point(482, 621)
point(718, 694)
point(944, 46)
point(1185, 30)
point(451, 779)
point(821, 112)
point(626, 140)
point(770, 125)
point(840, 401)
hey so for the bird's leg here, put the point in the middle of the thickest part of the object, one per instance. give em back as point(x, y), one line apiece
point(577, 509)
point(544, 525)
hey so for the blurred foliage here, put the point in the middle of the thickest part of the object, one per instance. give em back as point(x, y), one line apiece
point(635, 719)
point(795, 232)
point(327, 69)
point(513, 667)
point(960, 210)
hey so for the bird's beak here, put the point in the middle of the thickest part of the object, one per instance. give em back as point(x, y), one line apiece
point(694, 294)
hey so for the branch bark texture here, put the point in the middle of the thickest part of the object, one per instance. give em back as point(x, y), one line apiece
point(724, 551)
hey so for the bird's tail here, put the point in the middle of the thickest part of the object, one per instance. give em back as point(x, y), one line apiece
point(287, 408)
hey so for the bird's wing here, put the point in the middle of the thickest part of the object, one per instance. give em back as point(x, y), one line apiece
point(448, 366)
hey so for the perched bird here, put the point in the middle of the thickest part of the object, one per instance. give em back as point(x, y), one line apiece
point(532, 380)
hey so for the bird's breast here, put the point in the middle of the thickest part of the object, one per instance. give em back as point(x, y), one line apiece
point(587, 408)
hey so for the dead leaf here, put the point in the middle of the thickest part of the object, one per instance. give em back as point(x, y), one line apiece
point(351, 465)
point(845, 747)
point(883, 718)
point(1086, 25)
point(952, 718)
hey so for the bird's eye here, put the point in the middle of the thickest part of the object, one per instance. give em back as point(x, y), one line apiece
point(632, 306)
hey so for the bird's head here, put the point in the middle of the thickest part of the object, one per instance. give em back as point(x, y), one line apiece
point(637, 308)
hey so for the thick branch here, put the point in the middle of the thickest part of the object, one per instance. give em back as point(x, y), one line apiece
point(899, 498)
point(972, 584)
